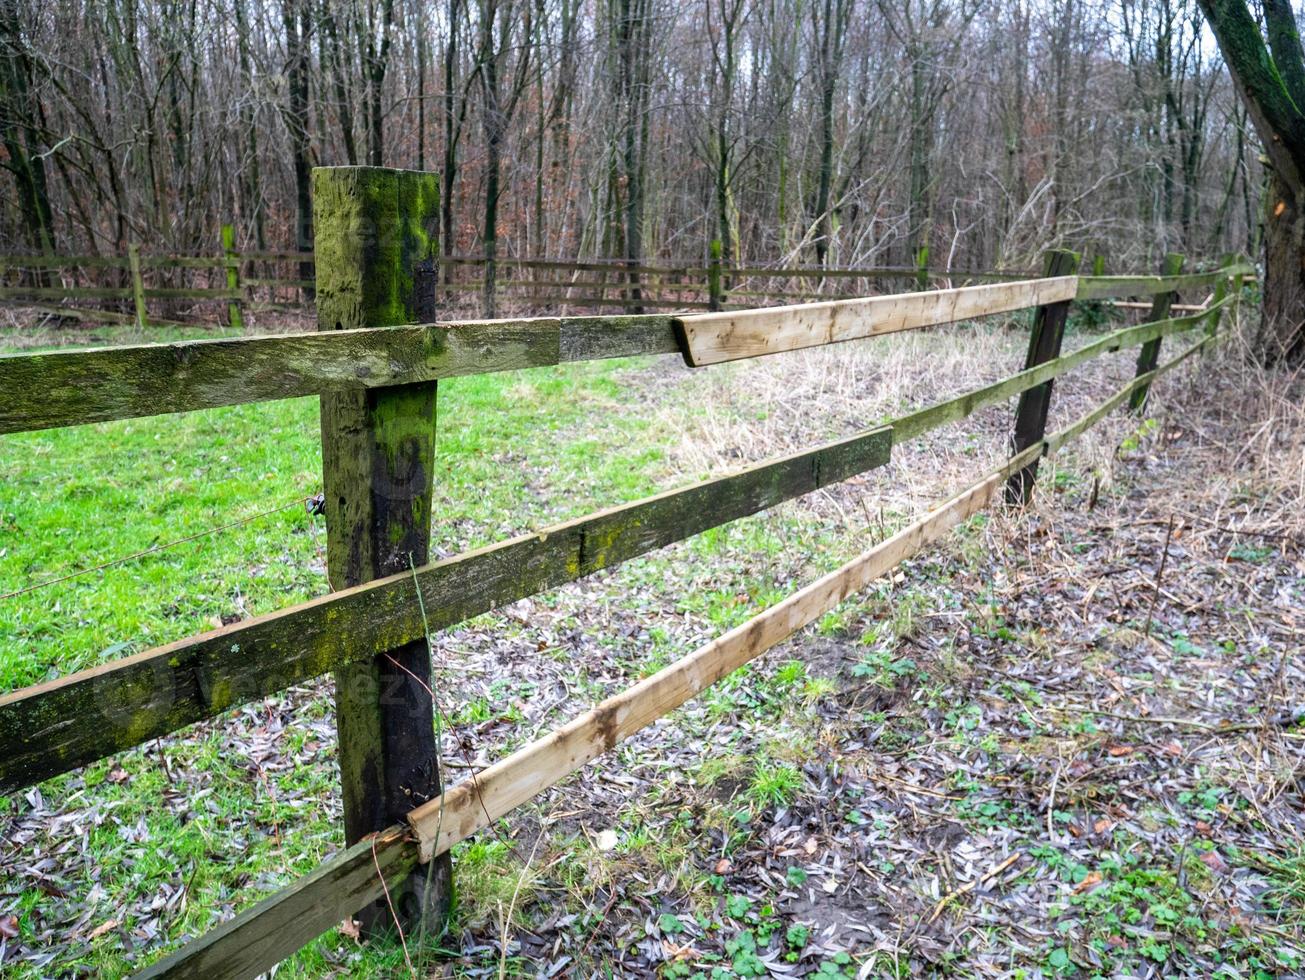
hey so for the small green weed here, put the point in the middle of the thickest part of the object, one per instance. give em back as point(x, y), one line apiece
point(774, 783)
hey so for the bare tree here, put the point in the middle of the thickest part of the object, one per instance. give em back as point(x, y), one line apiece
point(502, 67)
point(853, 132)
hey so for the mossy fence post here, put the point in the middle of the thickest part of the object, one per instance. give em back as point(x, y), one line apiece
point(1044, 345)
point(715, 298)
point(1221, 290)
point(377, 241)
point(235, 317)
point(137, 285)
point(1149, 356)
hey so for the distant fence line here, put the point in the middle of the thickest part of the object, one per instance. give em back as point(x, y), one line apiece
point(279, 281)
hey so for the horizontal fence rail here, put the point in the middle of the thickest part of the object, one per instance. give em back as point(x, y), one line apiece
point(711, 338)
point(39, 391)
point(276, 927)
point(164, 689)
point(60, 725)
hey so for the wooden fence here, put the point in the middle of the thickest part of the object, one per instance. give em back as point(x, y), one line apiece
point(376, 363)
point(280, 281)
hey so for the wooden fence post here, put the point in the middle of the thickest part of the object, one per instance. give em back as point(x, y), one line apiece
point(715, 298)
point(633, 287)
point(1044, 345)
point(235, 317)
point(377, 239)
point(137, 285)
point(1149, 356)
point(1221, 290)
point(1238, 285)
point(922, 269)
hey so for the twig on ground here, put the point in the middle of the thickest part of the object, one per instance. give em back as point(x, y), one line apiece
point(506, 919)
point(1159, 574)
point(974, 883)
point(1282, 719)
point(389, 902)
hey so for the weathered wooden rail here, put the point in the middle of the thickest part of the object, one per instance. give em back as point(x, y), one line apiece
point(376, 372)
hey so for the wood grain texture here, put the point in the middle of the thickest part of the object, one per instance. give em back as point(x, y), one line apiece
point(62, 724)
point(41, 391)
point(711, 338)
point(1123, 287)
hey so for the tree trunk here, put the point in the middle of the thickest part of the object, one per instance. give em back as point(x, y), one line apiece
point(831, 42)
point(251, 180)
point(453, 116)
point(1281, 337)
point(25, 160)
point(295, 16)
point(492, 112)
point(1272, 86)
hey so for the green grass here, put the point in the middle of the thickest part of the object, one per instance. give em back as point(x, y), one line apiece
point(71, 499)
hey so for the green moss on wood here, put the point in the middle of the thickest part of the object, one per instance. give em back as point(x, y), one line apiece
point(373, 226)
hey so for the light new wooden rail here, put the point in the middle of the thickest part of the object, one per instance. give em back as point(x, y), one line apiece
point(710, 338)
